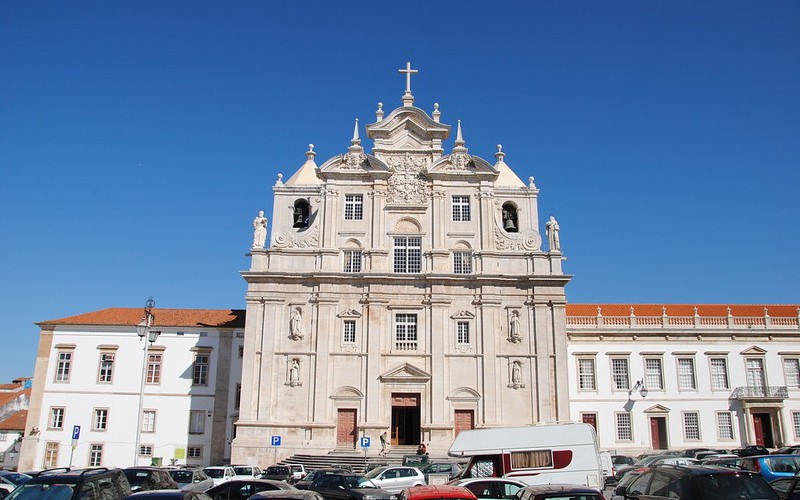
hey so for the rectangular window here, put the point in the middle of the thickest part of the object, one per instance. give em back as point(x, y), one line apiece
point(532, 459)
point(405, 332)
point(352, 261)
point(586, 374)
point(197, 422)
point(619, 374)
point(623, 421)
point(106, 369)
point(461, 208)
point(353, 207)
point(462, 332)
point(349, 331)
point(149, 421)
point(3, 437)
point(791, 370)
point(725, 425)
point(200, 371)
point(237, 401)
point(686, 378)
point(719, 373)
point(653, 374)
point(64, 366)
point(100, 420)
point(153, 369)
point(96, 455)
point(51, 455)
point(56, 417)
point(796, 424)
point(241, 351)
point(462, 262)
point(407, 254)
point(755, 375)
point(691, 426)
point(194, 452)
point(145, 450)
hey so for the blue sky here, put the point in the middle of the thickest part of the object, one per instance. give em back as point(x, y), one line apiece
point(139, 139)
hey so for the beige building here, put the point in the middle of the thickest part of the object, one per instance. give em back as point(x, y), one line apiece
point(406, 290)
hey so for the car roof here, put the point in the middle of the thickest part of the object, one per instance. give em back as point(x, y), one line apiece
point(468, 480)
point(437, 491)
point(289, 494)
point(559, 488)
point(159, 494)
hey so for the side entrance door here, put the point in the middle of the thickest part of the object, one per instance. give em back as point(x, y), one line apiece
point(465, 421)
point(346, 428)
point(658, 433)
point(762, 428)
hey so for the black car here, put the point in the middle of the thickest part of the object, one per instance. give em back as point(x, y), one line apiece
point(348, 487)
point(788, 488)
point(304, 483)
point(750, 451)
point(451, 469)
point(697, 482)
point(168, 495)
point(149, 478)
point(245, 488)
point(278, 473)
point(71, 484)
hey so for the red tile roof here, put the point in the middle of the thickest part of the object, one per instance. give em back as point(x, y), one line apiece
point(118, 316)
point(738, 310)
point(15, 422)
point(7, 397)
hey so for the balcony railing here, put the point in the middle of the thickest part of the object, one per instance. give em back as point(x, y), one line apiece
point(693, 322)
point(767, 392)
point(405, 346)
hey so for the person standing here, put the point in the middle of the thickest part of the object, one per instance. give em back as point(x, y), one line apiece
point(383, 444)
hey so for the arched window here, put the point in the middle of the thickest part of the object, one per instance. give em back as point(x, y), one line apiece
point(301, 213)
point(510, 220)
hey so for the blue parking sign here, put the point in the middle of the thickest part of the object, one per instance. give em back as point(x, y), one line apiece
point(76, 431)
point(365, 442)
point(276, 441)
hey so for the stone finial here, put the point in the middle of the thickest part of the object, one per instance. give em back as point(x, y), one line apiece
point(310, 154)
point(459, 137)
point(499, 155)
point(437, 115)
point(355, 140)
point(279, 182)
point(531, 184)
point(379, 112)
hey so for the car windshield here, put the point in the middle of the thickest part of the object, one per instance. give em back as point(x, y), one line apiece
point(783, 464)
point(136, 477)
point(734, 486)
point(243, 471)
point(16, 477)
point(276, 471)
point(41, 491)
point(181, 476)
point(358, 482)
point(374, 473)
point(215, 473)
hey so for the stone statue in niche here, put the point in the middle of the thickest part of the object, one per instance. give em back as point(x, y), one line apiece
point(259, 230)
point(516, 375)
point(514, 328)
point(294, 372)
point(296, 328)
point(552, 228)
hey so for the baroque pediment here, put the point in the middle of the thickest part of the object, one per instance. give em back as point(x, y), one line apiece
point(404, 123)
point(405, 373)
point(461, 163)
point(349, 313)
point(351, 162)
point(754, 351)
point(657, 409)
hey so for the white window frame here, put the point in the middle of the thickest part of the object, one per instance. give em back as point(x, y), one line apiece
point(197, 422)
point(194, 452)
point(620, 379)
point(353, 260)
point(51, 454)
point(587, 380)
point(623, 426)
point(105, 370)
point(155, 362)
point(406, 331)
point(145, 450)
point(56, 418)
point(201, 368)
point(64, 359)
point(462, 333)
point(718, 368)
point(353, 207)
point(791, 372)
point(95, 454)
point(349, 331)
point(462, 262)
point(755, 368)
point(796, 424)
point(687, 374)
point(407, 254)
point(149, 419)
point(100, 419)
point(726, 431)
point(461, 208)
point(691, 426)
point(654, 373)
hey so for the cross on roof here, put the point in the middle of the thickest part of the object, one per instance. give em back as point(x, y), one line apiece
point(408, 71)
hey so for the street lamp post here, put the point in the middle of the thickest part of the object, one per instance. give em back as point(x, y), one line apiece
point(144, 329)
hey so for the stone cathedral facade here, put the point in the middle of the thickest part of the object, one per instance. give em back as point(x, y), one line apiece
point(405, 290)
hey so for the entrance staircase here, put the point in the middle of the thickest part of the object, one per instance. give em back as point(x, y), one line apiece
point(357, 462)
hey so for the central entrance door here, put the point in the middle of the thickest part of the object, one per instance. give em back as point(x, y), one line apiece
point(762, 427)
point(405, 418)
point(658, 432)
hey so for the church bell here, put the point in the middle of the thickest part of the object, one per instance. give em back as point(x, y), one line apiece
point(509, 226)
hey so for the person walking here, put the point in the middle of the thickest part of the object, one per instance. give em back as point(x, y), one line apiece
point(383, 444)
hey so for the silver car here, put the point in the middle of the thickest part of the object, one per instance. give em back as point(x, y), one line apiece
point(396, 479)
point(191, 479)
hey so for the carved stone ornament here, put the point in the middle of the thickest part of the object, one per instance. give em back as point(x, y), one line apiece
point(516, 376)
point(287, 241)
point(296, 324)
point(353, 160)
point(407, 184)
point(458, 162)
point(527, 239)
point(514, 335)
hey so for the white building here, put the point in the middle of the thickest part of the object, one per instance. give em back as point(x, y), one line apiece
point(89, 374)
point(683, 376)
point(14, 400)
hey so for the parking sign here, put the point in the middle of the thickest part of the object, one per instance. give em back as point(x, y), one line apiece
point(365, 442)
point(76, 432)
point(276, 441)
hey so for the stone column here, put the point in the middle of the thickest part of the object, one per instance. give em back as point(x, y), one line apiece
point(490, 318)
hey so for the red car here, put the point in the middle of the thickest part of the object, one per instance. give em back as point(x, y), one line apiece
point(437, 492)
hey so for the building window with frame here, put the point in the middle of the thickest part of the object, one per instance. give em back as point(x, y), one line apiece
point(796, 424)
point(63, 366)
point(352, 261)
point(349, 331)
point(405, 332)
point(51, 454)
point(197, 422)
point(100, 420)
point(462, 262)
point(686, 374)
point(145, 450)
point(407, 254)
point(725, 426)
point(462, 332)
point(623, 426)
point(95, 455)
point(149, 421)
point(56, 420)
point(653, 374)
point(200, 369)
point(3, 437)
point(587, 380)
point(719, 373)
point(620, 375)
point(691, 426)
point(106, 369)
point(194, 452)
point(791, 370)
point(353, 207)
point(756, 380)
point(461, 209)
point(153, 368)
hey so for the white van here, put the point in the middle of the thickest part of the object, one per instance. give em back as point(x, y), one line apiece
point(539, 454)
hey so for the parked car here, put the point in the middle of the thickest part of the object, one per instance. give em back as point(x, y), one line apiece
point(168, 495)
point(287, 495)
point(71, 484)
point(698, 482)
point(558, 491)
point(729, 461)
point(191, 479)
point(10, 480)
point(451, 469)
point(395, 479)
point(246, 472)
point(437, 492)
point(788, 450)
point(245, 488)
point(490, 488)
point(699, 455)
point(348, 487)
point(219, 473)
point(640, 465)
point(298, 472)
point(149, 478)
point(772, 466)
point(303, 483)
point(788, 488)
point(278, 473)
point(621, 487)
point(749, 451)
